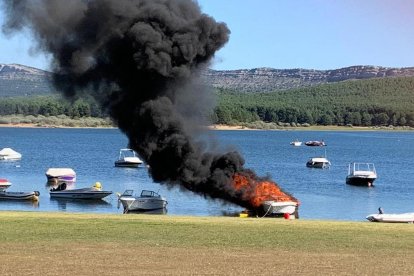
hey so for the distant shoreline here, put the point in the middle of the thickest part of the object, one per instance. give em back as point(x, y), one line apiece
point(238, 127)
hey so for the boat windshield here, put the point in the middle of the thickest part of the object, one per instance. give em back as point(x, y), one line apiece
point(146, 193)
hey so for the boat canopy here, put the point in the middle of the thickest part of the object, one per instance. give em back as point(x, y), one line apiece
point(9, 152)
point(55, 172)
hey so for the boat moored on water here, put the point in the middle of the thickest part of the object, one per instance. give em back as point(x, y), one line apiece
point(147, 201)
point(4, 184)
point(361, 174)
point(296, 143)
point(93, 192)
point(318, 162)
point(59, 175)
point(128, 158)
point(315, 143)
point(34, 196)
point(9, 154)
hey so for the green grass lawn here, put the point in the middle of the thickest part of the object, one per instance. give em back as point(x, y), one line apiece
point(70, 244)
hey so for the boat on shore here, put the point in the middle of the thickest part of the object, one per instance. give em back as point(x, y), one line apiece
point(128, 158)
point(94, 192)
point(392, 218)
point(315, 143)
point(59, 175)
point(34, 196)
point(4, 184)
point(9, 154)
point(147, 201)
point(272, 207)
point(361, 174)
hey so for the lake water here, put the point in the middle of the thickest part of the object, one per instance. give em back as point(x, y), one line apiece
point(323, 193)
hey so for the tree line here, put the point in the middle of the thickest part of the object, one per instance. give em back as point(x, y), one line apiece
point(50, 106)
point(373, 102)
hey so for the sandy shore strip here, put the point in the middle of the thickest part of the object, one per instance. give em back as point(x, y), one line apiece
point(240, 127)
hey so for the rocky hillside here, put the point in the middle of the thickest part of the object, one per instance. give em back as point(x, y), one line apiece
point(20, 80)
point(268, 79)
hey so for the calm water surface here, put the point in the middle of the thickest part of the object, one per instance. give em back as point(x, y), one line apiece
point(323, 193)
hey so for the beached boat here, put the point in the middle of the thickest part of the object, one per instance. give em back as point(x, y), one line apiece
point(94, 192)
point(59, 175)
point(279, 207)
point(4, 184)
point(318, 162)
point(9, 154)
point(361, 174)
point(34, 196)
point(402, 217)
point(128, 158)
point(296, 143)
point(315, 143)
point(147, 201)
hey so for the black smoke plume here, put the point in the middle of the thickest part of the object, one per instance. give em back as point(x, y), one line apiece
point(139, 59)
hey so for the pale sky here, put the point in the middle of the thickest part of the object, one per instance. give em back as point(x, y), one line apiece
point(284, 34)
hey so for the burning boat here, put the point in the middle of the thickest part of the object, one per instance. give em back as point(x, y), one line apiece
point(266, 197)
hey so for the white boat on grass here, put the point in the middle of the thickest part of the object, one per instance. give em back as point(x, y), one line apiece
point(128, 158)
point(147, 201)
point(402, 217)
point(4, 184)
point(271, 207)
point(9, 154)
point(59, 175)
point(361, 174)
point(94, 192)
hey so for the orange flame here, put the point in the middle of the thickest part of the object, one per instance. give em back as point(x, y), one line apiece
point(258, 191)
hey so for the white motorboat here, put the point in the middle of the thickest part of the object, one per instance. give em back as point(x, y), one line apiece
point(296, 143)
point(361, 174)
point(403, 217)
point(4, 184)
point(94, 192)
point(318, 162)
point(279, 207)
point(147, 201)
point(9, 154)
point(128, 158)
point(59, 175)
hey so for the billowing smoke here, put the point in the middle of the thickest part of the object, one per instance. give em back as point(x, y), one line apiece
point(139, 59)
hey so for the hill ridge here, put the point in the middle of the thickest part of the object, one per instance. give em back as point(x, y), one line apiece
point(22, 80)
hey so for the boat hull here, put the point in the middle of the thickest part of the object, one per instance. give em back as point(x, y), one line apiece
point(275, 207)
point(34, 196)
point(392, 218)
point(127, 164)
point(79, 194)
point(360, 181)
point(317, 165)
point(143, 204)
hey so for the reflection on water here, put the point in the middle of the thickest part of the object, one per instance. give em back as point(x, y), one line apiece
point(15, 204)
point(64, 204)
